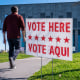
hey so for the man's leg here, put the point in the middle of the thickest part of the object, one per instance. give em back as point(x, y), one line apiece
point(17, 48)
point(11, 53)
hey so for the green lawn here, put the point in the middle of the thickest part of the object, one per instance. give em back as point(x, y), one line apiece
point(62, 70)
point(4, 57)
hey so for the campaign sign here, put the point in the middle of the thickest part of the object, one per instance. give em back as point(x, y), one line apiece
point(50, 38)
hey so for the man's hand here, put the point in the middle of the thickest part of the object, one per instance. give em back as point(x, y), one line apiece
point(24, 39)
point(4, 41)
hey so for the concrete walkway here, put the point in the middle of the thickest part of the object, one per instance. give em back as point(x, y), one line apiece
point(24, 68)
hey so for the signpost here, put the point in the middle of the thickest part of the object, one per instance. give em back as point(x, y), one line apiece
point(49, 38)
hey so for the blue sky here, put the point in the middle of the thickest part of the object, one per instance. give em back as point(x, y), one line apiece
point(7, 2)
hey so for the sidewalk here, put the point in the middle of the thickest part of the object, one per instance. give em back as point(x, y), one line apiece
point(24, 68)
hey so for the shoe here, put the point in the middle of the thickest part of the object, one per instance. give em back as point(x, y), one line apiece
point(14, 67)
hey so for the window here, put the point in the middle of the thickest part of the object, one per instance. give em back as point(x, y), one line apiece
point(29, 16)
point(74, 23)
point(0, 24)
point(73, 37)
point(79, 40)
point(47, 16)
point(60, 16)
point(79, 24)
point(69, 14)
point(51, 15)
point(42, 15)
point(78, 32)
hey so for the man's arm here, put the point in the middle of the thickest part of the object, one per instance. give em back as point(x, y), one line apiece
point(22, 25)
point(23, 33)
point(4, 39)
point(4, 30)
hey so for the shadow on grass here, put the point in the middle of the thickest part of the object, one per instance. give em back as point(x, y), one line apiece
point(36, 77)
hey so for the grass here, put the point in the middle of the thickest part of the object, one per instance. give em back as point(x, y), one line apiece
point(4, 57)
point(62, 70)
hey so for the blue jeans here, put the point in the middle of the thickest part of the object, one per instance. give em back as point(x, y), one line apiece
point(14, 48)
point(13, 44)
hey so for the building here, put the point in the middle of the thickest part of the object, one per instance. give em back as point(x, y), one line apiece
point(48, 10)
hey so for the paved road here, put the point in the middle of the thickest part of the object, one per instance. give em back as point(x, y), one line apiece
point(24, 68)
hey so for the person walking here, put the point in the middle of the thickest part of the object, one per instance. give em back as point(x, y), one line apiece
point(13, 23)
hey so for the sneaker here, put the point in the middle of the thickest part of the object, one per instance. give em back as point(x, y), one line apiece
point(14, 67)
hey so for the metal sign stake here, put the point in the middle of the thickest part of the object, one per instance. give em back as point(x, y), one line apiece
point(52, 68)
point(41, 68)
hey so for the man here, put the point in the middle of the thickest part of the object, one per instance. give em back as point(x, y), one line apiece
point(13, 23)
